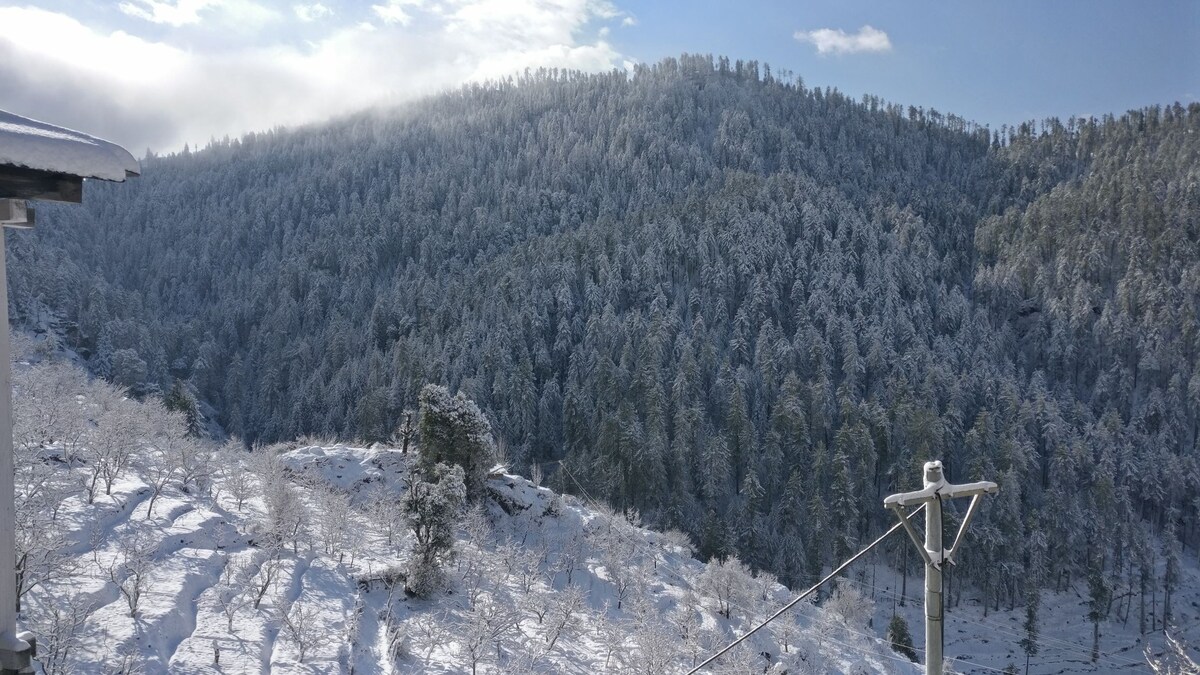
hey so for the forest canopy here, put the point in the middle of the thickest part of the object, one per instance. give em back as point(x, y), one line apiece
point(745, 308)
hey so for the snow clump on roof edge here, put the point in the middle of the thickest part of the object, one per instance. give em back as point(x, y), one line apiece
point(45, 147)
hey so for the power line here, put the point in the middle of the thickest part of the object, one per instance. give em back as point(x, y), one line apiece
point(864, 650)
point(900, 659)
point(800, 597)
point(654, 552)
point(749, 613)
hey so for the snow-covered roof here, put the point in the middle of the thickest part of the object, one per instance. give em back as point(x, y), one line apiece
point(44, 147)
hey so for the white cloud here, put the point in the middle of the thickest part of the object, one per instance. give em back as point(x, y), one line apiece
point(313, 12)
point(155, 93)
point(240, 13)
point(830, 41)
point(394, 11)
point(179, 13)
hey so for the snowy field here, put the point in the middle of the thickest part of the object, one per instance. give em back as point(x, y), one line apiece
point(983, 644)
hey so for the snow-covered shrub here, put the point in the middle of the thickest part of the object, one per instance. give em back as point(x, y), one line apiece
point(849, 605)
point(729, 582)
point(900, 638)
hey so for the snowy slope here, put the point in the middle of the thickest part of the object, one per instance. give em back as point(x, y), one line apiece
point(541, 583)
point(979, 643)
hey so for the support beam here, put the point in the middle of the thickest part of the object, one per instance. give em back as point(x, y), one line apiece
point(16, 213)
point(20, 183)
point(962, 529)
point(912, 533)
point(15, 652)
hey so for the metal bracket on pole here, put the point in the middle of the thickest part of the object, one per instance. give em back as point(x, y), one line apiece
point(962, 529)
point(912, 533)
point(16, 213)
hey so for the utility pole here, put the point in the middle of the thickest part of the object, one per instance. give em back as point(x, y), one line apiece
point(935, 556)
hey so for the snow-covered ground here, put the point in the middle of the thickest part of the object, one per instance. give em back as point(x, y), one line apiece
point(976, 643)
point(540, 583)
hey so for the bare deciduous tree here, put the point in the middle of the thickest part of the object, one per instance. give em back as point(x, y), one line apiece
point(568, 603)
point(484, 627)
point(386, 512)
point(41, 556)
point(286, 516)
point(301, 624)
point(235, 478)
point(611, 635)
point(57, 622)
point(119, 427)
point(233, 591)
point(130, 569)
point(268, 574)
point(332, 517)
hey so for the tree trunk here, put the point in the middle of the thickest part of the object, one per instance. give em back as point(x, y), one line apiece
point(986, 598)
point(1166, 606)
point(1142, 604)
point(1153, 608)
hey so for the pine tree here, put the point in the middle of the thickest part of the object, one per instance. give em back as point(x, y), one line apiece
point(433, 503)
point(1099, 595)
point(180, 399)
point(1171, 572)
point(454, 431)
point(900, 638)
point(1029, 642)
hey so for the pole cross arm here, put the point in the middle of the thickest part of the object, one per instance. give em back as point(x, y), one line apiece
point(915, 497)
point(936, 487)
point(942, 488)
point(968, 489)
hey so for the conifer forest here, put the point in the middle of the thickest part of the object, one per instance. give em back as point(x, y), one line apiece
point(700, 291)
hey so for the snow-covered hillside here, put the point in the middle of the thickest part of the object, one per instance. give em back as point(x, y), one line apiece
point(169, 568)
point(540, 583)
point(143, 550)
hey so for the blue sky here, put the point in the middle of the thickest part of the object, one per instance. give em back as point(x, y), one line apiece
point(995, 62)
point(159, 73)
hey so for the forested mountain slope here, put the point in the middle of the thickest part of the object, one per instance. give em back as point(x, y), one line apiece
point(745, 308)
